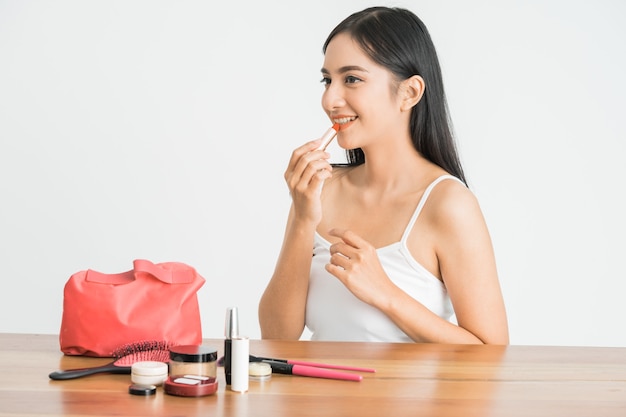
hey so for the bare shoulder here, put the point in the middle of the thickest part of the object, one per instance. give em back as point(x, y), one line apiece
point(450, 194)
point(452, 205)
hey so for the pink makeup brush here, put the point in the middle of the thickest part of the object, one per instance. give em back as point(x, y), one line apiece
point(313, 364)
point(312, 371)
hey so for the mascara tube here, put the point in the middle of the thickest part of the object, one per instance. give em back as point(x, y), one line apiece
point(231, 330)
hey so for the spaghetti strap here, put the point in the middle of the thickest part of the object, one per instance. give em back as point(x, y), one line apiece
point(421, 203)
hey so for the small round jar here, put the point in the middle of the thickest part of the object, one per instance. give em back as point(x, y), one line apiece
point(259, 371)
point(148, 373)
point(142, 390)
point(198, 360)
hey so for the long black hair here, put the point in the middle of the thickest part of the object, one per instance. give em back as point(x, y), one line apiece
point(399, 41)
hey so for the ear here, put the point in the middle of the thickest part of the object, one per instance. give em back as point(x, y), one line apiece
point(411, 90)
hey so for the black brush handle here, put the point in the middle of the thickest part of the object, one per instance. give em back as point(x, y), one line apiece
point(264, 359)
point(78, 373)
point(279, 367)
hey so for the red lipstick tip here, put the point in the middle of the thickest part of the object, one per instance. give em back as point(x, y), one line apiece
point(336, 127)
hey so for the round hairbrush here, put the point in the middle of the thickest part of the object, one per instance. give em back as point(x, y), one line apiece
point(125, 357)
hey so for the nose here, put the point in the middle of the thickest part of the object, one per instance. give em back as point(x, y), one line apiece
point(333, 98)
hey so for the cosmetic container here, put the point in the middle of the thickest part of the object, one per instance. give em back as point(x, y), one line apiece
point(231, 330)
point(200, 360)
point(190, 386)
point(240, 363)
point(142, 390)
point(148, 373)
point(259, 371)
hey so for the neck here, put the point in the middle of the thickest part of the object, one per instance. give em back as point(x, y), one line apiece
point(391, 170)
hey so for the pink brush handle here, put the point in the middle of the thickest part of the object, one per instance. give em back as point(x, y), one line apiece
point(330, 366)
point(312, 371)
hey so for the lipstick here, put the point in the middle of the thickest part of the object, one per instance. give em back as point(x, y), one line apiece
point(328, 136)
point(231, 330)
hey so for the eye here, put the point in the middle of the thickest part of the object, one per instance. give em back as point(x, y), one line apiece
point(351, 79)
point(325, 81)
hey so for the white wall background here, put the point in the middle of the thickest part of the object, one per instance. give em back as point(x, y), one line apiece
point(161, 129)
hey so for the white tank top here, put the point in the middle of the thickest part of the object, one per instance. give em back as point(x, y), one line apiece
point(334, 313)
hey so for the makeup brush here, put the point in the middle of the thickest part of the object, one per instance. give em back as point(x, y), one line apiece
point(313, 364)
point(312, 371)
point(125, 357)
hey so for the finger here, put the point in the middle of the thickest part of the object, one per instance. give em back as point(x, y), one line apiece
point(313, 185)
point(303, 160)
point(339, 260)
point(304, 170)
point(337, 271)
point(305, 149)
point(343, 249)
point(312, 174)
point(349, 237)
point(298, 153)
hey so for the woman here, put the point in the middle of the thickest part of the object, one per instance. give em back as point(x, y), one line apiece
point(401, 251)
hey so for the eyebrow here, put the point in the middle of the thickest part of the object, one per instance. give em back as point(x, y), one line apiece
point(345, 69)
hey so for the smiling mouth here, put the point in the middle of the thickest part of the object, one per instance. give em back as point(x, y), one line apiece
point(344, 120)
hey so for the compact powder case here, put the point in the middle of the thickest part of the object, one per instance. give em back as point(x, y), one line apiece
point(190, 385)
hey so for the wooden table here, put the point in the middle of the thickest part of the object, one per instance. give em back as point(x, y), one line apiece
point(411, 380)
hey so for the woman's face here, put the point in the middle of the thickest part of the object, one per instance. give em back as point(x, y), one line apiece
point(360, 95)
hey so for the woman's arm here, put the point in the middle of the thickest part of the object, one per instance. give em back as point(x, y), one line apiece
point(467, 264)
point(464, 257)
point(283, 304)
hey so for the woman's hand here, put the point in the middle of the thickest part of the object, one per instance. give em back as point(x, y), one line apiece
point(305, 175)
point(355, 263)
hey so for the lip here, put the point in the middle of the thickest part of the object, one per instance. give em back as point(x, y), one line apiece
point(344, 125)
